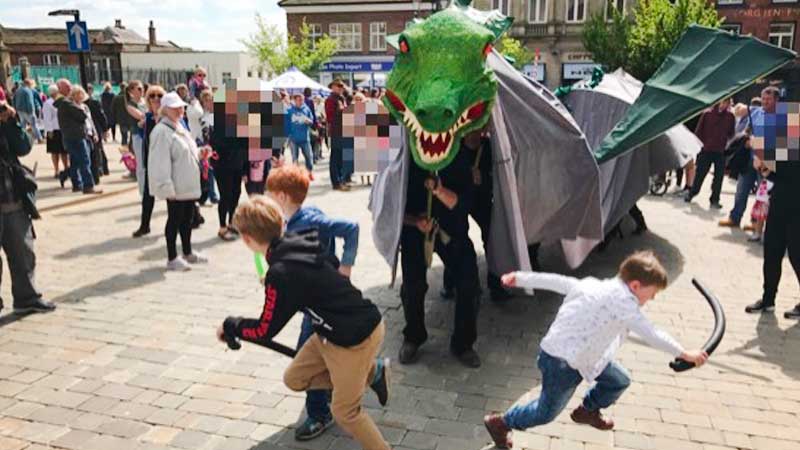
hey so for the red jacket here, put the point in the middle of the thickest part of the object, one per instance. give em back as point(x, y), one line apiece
point(333, 114)
point(715, 128)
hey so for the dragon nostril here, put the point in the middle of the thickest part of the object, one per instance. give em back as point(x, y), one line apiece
point(448, 113)
point(421, 113)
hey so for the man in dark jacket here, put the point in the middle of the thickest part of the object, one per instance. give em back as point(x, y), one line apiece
point(121, 116)
point(16, 229)
point(348, 329)
point(715, 127)
point(334, 105)
point(99, 160)
point(72, 122)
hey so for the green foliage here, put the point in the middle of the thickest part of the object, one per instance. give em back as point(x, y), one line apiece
point(513, 49)
point(269, 46)
point(640, 44)
point(608, 41)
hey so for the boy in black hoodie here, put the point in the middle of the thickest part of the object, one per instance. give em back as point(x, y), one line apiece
point(348, 329)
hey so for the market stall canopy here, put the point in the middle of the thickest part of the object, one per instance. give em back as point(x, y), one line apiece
point(293, 81)
point(705, 66)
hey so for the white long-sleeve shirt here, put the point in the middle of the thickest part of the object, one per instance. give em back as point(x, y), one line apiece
point(50, 116)
point(594, 321)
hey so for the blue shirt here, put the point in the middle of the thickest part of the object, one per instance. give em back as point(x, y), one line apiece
point(328, 229)
point(24, 101)
point(296, 123)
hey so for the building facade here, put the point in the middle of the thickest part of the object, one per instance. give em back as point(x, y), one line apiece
point(361, 27)
point(773, 21)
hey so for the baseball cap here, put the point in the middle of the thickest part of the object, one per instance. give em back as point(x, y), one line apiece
point(172, 100)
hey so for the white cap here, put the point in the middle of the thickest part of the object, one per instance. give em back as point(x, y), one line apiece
point(172, 100)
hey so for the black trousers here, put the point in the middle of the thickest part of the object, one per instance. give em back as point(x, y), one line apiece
point(335, 163)
point(482, 213)
point(704, 162)
point(782, 234)
point(148, 202)
point(459, 255)
point(229, 183)
point(179, 221)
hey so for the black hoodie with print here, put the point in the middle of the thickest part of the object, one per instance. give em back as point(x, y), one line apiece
point(302, 277)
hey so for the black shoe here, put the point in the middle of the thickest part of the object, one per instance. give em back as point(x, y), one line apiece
point(408, 353)
point(35, 306)
point(62, 178)
point(760, 307)
point(382, 382)
point(793, 313)
point(715, 205)
point(77, 189)
point(468, 358)
point(688, 197)
point(312, 428)
point(141, 232)
point(447, 293)
point(639, 230)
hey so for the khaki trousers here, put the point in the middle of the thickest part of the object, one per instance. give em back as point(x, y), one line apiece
point(348, 371)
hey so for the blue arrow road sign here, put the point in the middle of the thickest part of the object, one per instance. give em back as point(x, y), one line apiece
point(78, 36)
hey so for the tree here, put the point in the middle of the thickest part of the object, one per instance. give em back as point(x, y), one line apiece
point(640, 44)
point(513, 49)
point(608, 42)
point(269, 45)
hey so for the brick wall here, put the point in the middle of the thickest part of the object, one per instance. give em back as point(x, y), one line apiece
point(395, 23)
point(755, 17)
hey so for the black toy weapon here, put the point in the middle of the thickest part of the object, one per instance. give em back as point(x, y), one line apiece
point(680, 365)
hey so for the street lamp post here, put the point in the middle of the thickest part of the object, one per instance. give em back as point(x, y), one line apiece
point(81, 58)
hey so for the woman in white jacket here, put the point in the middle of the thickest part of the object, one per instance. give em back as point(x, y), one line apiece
point(174, 175)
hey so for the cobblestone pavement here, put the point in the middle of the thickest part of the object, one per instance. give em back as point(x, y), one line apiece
point(129, 360)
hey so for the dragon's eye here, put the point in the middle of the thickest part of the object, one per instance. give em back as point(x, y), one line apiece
point(403, 44)
point(487, 50)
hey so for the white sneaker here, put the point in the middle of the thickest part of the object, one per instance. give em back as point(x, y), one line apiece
point(178, 265)
point(754, 238)
point(196, 258)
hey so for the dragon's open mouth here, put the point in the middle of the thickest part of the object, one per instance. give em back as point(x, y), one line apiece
point(435, 146)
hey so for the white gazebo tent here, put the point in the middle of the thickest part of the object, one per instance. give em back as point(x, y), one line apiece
point(293, 81)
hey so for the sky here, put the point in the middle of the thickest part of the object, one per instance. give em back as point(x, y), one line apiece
point(199, 24)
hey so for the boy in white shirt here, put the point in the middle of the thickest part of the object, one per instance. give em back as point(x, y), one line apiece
point(590, 326)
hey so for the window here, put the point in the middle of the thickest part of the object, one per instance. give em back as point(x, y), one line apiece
point(537, 11)
point(735, 28)
point(784, 1)
point(51, 60)
point(782, 35)
point(730, 2)
point(348, 35)
point(226, 78)
point(576, 10)
point(377, 36)
point(503, 5)
point(611, 5)
point(314, 33)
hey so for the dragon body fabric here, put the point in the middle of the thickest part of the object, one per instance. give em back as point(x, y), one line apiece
point(440, 87)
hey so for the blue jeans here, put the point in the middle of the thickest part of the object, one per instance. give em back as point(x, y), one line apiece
point(559, 382)
point(306, 147)
point(744, 185)
point(317, 401)
point(30, 119)
point(80, 163)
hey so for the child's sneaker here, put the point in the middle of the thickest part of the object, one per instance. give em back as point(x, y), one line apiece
point(178, 265)
point(196, 258)
point(498, 430)
point(382, 380)
point(312, 428)
point(592, 418)
point(793, 313)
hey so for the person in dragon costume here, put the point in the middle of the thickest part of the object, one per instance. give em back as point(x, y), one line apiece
point(442, 98)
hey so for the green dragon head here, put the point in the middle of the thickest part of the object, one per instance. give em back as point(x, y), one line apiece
point(440, 86)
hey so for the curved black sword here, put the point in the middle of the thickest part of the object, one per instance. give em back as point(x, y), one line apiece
point(680, 365)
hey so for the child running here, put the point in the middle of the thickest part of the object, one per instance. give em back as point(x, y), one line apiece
point(590, 326)
point(288, 186)
point(348, 329)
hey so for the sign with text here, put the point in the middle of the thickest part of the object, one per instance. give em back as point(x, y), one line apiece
point(578, 71)
point(357, 66)
point(535, 71)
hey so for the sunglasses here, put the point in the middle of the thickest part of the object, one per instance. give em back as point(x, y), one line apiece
point(201, 75)
point(154, 96)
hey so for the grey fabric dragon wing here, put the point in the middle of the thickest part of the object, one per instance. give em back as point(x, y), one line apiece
point(555, 174)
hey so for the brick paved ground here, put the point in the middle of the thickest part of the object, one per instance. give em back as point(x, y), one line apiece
point(129, 360)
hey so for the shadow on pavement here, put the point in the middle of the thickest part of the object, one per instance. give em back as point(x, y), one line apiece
point(772, 341)
point(160, 252)
point(114, 285)
point(740, 238)
point(102, 210)
point(115, 245)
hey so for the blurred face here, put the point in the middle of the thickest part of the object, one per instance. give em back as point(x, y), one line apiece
point(337, 88)
point(136, 92)
point(183, 92)
point(64, 87)
point(154, 101)
point(768, 102)
point(642, 292)
point(724, 105)
point(298, 101)
point(173, 114)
